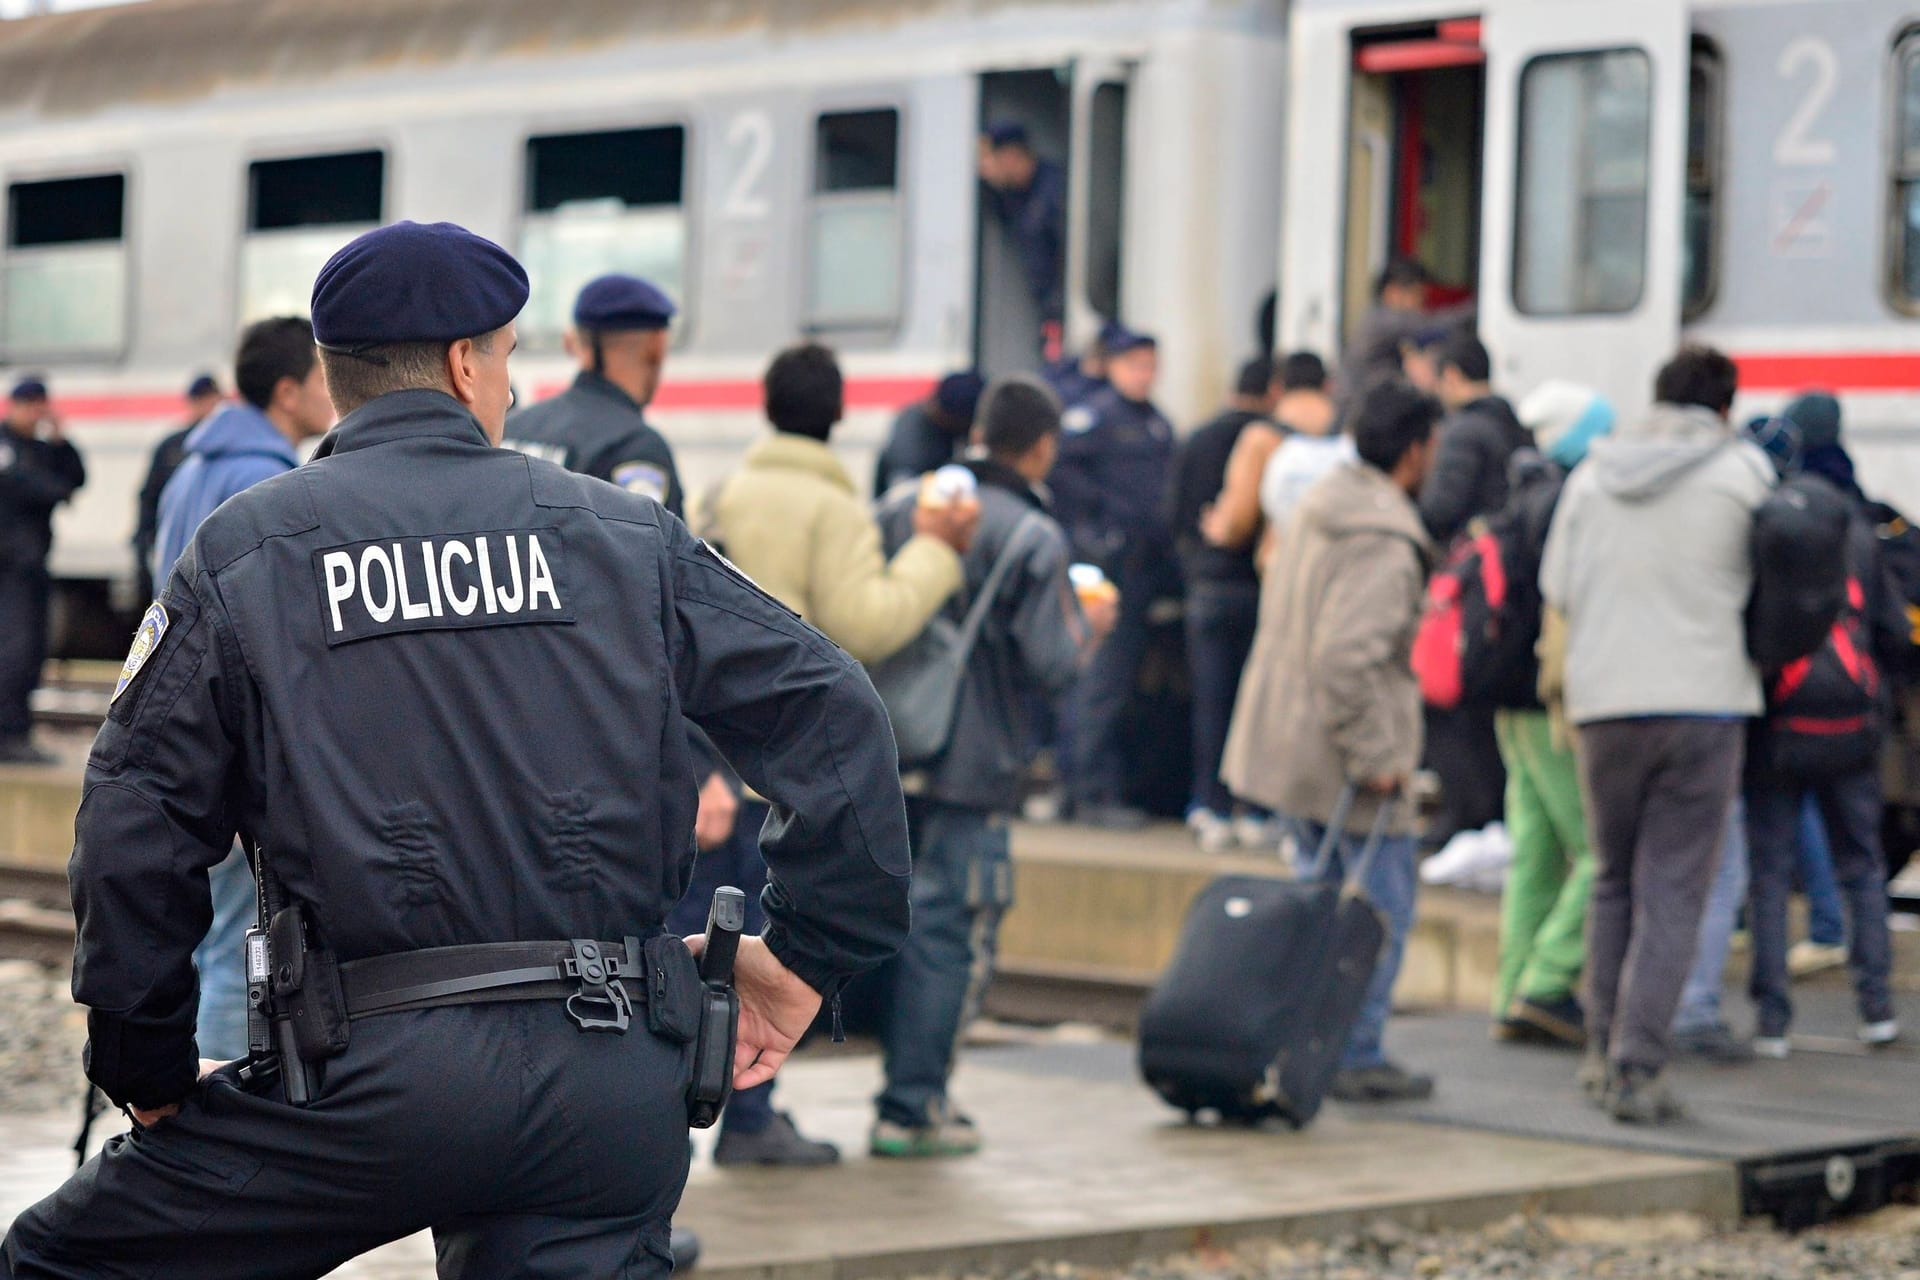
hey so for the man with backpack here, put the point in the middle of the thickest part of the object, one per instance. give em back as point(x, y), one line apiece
point(1543, 908)
point(1028, 649)
point(1825, 723)
point(1649, 563)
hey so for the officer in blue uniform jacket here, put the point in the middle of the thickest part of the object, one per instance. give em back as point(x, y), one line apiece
point(1115, 452)
point(1074, 378)
point(598, 425)
point(1029, 197)
point(441, 684)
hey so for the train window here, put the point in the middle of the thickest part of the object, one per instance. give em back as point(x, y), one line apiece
point(600, 202)
point(1699, 274)
point(1906, 176)
point(1106, 185)
point(1580, 224)
point(853, 281)
point(299, 213)
point(65, 274)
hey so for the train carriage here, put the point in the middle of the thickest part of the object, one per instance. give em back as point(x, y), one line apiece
point(784, 167)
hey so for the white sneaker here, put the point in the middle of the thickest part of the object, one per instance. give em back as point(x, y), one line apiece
point(1774, 1047)
point(1877, 1034)
point(1807, 957)
point(1213, 833)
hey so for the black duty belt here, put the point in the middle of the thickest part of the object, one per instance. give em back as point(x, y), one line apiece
point(584, 973)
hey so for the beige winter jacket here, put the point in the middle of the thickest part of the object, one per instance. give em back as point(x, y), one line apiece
point(1329, 694)
point(793, 521)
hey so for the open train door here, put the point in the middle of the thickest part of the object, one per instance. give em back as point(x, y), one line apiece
point(1583, 186)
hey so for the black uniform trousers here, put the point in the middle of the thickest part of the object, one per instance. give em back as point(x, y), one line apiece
point(531, 1148)
point(23, 643)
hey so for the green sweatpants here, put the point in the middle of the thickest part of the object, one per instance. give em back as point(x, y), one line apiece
point(1544, 909)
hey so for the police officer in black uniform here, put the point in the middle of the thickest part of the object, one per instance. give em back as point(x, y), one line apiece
point(39, 470)
point(597, 426)
point(1116, 449)
point(441, 685)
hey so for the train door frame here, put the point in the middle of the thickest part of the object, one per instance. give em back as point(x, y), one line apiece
point(1612, 348)
point(1090, 141)
point(1395, 174)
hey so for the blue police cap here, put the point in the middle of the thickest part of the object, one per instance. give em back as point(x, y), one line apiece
point(29, 389)
point(1006, 133)
point(958, 394)
point(615, 302)
point(1116, 338)
point(415, 283)
point(203, 385)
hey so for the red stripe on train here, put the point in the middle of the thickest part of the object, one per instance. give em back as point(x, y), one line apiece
point(1831, 370)
point(709, 394)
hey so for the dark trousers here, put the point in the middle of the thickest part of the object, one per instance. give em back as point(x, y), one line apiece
point(1099, 772)
point(1463, 750)
point(1221, 617)
point(1850, 808)
point(23, 643)
point(736, 862)
point(962, 886)
point(531, 1148)
point(1658, 791)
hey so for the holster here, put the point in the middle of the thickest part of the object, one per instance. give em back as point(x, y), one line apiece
point(712, 1082)
point(306, 989)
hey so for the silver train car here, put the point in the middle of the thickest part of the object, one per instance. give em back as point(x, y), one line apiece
point(1606, 178)
point(783, 167)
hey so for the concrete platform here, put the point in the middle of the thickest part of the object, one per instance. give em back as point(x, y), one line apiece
point(1082, 1163)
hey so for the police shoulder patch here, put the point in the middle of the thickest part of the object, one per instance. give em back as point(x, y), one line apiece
point(644, 478)
point(1078, 420)
point(146, 640)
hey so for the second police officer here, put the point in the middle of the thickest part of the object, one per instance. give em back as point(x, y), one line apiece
point(1116, 449)
point(598, 426)
point(441, 685)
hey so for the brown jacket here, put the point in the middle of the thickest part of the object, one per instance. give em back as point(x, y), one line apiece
point(1329, 694)
point(792, 519)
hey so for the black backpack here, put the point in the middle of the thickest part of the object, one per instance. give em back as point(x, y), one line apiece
point(1799, 548)
point(1475, 646)
point(1823, 716)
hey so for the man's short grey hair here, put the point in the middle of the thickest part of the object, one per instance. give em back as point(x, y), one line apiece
point(367, 373)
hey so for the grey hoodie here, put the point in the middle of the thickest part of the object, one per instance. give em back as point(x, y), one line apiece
point(1648, 561)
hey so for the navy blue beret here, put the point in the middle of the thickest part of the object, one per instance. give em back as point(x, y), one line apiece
point(414, 283)
point(958, 394)
point(1117, 338)
point(615, 302)
point(29, 389)
point(1007, 133)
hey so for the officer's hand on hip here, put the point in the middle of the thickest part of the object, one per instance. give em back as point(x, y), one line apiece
point(147, 1119)
point(776, 1008)
point(719, 807)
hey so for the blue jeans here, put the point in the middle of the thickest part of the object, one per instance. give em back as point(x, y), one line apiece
point(1390, 882)
point(1221, 617)
point(220, 1029)
point(737, 862)
point(1700, 998)
point(1850, 807)
point(962, 886)
point(1813, 868)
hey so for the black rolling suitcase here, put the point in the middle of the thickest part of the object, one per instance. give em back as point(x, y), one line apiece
point(1252, 1012)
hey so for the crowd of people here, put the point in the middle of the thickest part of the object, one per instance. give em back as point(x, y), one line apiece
point(1655, 783)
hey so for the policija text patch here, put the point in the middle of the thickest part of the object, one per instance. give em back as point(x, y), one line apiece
point(441, 582)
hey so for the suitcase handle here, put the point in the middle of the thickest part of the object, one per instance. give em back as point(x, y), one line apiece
point(1337, 827)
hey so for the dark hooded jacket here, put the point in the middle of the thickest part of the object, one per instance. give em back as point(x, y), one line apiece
point(1469, 473)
